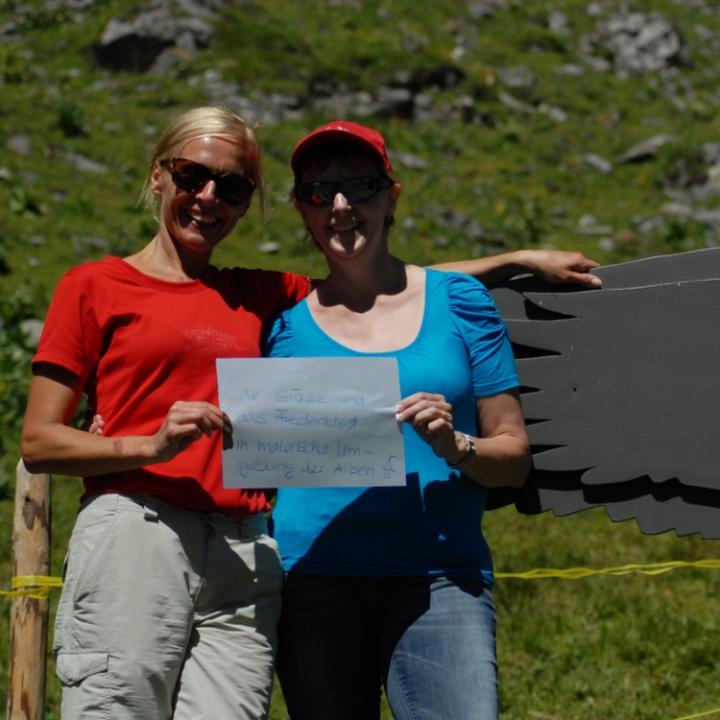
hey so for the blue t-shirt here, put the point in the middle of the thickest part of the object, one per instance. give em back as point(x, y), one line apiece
point(432, 526)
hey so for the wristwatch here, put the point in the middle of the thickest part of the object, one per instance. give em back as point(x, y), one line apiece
point(468, 455)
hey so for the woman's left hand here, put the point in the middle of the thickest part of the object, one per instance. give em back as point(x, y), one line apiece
point(431, 416)
point(97, 424)
point(561, 267)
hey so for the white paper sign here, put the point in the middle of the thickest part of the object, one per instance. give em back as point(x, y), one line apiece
point(311, 422)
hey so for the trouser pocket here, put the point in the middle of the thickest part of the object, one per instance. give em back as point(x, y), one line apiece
point(85, 681)
point(74, 667)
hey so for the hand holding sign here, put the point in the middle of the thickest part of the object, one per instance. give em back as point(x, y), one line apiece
point(311, 422)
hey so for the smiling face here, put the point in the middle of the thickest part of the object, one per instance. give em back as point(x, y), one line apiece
point(197, 221)
point(345, 229)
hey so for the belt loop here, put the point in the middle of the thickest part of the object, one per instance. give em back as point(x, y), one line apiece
point(210, 530)
point(151, 515)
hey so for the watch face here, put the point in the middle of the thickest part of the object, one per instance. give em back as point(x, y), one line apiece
point(470, 452)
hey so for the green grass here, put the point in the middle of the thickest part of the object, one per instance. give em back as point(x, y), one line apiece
point(627, 648)
point(634, 647)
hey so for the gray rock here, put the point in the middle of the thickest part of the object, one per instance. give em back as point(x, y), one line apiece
point(638, 42)
point(269, 247)
point(409, 224)
point(460, 221)
point(587, 220)
point(85, 164)
point(458, 53)
point(594, 230)
point(708, 217)
point(555, 113)
point(31, 329)
point(677, 209)
point(598, 64)
point(360, 104)
point(394, 102)
point(263, 108)
point(463, 109)
point(713, 176)
point(135, 44)
point(485, 8)
point(9, 30)
point(71, 4)
point(599, 163)
point(20, 144)
point(645, 150)
point(570, 70)
point(648, 225)
point(517, 78)
point(558, 22)
point(515, 104)
point(704, 192)
point(711, 152)
point(170, 59)
point(82, 245)
point(409, 160)
point(606, 244)
point(444, 76)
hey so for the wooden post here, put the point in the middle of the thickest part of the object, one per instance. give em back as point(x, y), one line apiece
point(29, 616)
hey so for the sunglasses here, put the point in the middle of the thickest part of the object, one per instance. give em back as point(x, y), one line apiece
point(358, 189)
point(191, 176)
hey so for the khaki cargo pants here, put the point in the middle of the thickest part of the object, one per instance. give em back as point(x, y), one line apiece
point(167, 614)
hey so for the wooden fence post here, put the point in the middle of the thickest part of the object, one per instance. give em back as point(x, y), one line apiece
point(29, 616)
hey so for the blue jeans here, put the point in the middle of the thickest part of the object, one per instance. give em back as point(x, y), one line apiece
point(430, 641)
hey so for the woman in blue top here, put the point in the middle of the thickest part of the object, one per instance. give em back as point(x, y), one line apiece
point(392, 585)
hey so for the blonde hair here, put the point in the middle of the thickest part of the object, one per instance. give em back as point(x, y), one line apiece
point(201, 122)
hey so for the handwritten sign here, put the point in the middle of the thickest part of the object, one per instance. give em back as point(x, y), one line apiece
point(311, 422)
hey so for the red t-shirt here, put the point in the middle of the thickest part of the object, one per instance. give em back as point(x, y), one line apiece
point(139, 344)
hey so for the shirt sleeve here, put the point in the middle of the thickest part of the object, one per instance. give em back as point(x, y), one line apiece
point(279, 340)
point(297, 287)
point(268, 292)
point(479, 324)
point(71, 336)
point(293, 288)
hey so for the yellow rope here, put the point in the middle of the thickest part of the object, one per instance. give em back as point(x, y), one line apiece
point(39, 586)
point(579, 573)
point(700, 714)
point(33, 586)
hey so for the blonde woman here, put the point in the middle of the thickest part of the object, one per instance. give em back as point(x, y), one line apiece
point(172, 585)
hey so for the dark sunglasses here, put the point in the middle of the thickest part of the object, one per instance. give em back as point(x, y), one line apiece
point(322, 192)
point(191, 176)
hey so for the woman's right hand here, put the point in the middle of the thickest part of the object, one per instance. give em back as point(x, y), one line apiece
point(186, 422)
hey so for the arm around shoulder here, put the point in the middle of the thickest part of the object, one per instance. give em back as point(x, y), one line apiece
point(554, 266)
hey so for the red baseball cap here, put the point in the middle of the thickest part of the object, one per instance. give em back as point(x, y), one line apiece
point(342, 130)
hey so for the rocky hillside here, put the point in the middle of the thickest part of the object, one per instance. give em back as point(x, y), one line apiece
point(572, 123)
